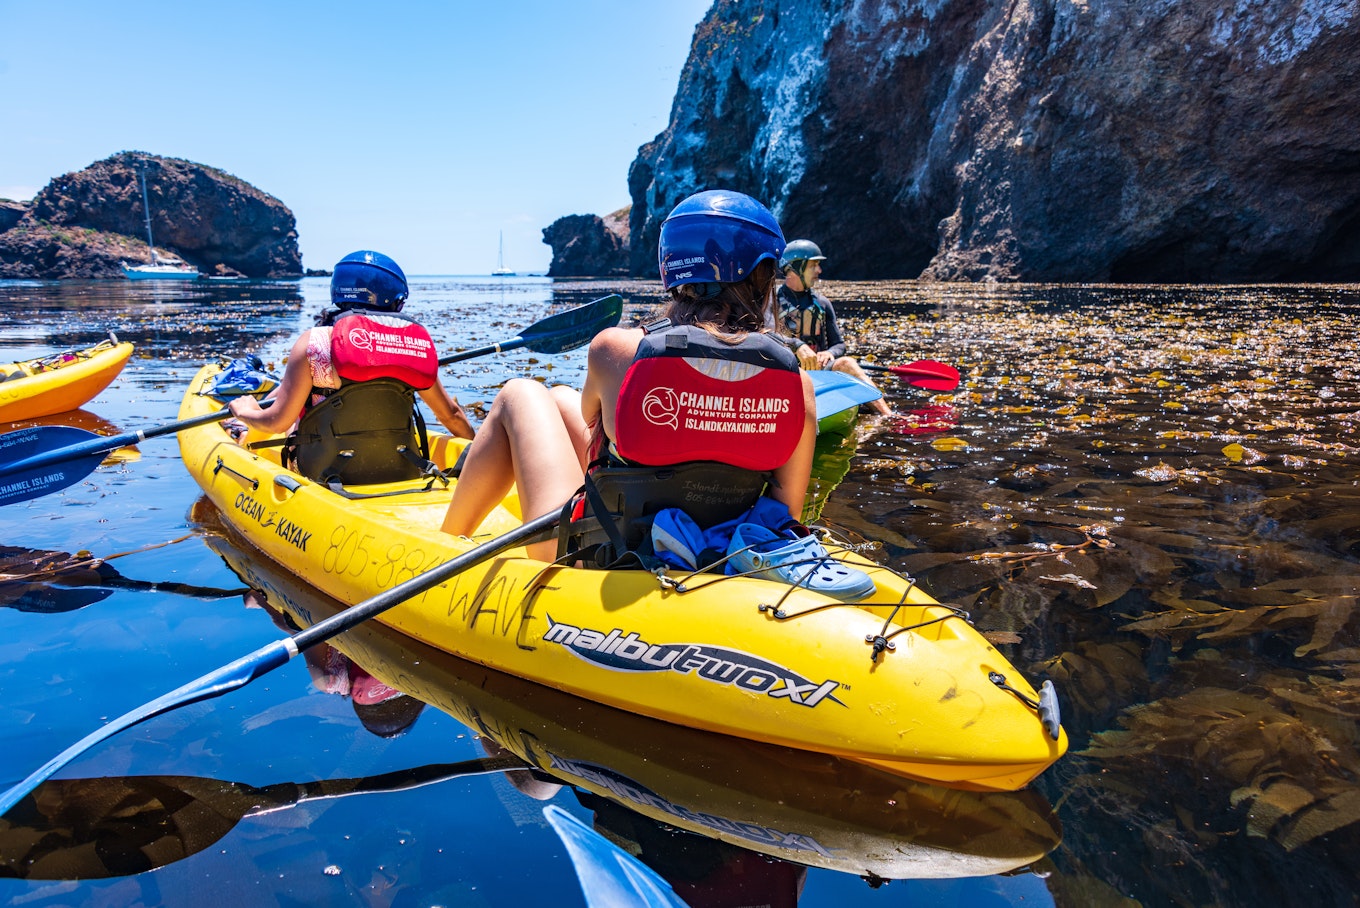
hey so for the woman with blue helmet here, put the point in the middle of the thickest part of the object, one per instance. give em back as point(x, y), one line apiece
point(718, 256)
point(368, 291)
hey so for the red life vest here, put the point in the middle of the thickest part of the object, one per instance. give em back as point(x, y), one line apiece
point(689, 396)
point(367, 345)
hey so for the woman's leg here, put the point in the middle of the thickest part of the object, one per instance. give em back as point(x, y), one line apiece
point(523, 441)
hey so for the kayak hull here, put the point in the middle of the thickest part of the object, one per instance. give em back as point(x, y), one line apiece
point(66, 386)
point(781, 802)
point(735, 655)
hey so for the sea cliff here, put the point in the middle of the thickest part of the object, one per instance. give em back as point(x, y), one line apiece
point(587, 245)
point(1038, 140)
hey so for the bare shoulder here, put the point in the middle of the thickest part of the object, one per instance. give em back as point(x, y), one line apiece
point(615, 343)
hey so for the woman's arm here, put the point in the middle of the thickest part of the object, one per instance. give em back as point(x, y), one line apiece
point(611, 353)
point(288, 397)
point(447, 410)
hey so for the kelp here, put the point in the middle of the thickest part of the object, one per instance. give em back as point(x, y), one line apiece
point(1286, 779)
point(1204, 643)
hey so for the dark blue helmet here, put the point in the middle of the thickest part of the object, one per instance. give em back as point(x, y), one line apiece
point(716, 236)
point(368, 280)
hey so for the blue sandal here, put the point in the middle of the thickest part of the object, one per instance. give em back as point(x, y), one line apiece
point(800, 562)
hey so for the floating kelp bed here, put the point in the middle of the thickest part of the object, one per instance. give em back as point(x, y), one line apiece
point(1153, 491)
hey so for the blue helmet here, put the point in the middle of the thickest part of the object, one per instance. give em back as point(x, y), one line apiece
point(716, 236)
point(368, 280)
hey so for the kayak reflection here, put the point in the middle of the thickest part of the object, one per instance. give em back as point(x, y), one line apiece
point(383, 710)
point(926, 420)
point(831, 459)
point(87, 421)
point(798, 806)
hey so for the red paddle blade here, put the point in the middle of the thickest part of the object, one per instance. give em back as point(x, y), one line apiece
point(927, 373)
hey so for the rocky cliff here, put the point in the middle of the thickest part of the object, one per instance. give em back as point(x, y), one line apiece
point(587, 245)
point(1042, 140)
point(83, 224)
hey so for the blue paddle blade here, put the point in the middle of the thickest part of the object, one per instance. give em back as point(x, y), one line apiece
point(609, 875)
point(837, 391)
point(33, 482)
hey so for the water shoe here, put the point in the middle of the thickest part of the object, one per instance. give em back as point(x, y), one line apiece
point(801, 562)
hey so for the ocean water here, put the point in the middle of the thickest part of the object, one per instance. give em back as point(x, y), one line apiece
point(1145, 494)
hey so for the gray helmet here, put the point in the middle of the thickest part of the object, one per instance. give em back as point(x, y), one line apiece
point(800, 251)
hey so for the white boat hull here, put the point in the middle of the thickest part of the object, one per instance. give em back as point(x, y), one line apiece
point(159, 273)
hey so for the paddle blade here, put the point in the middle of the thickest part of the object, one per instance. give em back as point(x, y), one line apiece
point(214, 684)
point(20, 481)
point(609, 875)
point(569, 330)
point(556, 333)
point(924, 373)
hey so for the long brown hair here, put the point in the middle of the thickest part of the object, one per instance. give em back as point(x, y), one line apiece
point(740, 308)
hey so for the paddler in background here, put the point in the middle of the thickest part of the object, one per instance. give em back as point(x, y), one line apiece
point(809, 318)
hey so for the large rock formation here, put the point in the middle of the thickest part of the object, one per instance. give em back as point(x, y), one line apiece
point(1045, 140)
point(11, 212)
point(587, 245)
point(83, 224)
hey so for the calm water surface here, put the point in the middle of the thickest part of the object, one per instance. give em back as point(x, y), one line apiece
point(1148, 495)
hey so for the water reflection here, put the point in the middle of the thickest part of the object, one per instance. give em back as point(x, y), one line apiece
point(93, 829)
point(48, 582)
point(793, 806)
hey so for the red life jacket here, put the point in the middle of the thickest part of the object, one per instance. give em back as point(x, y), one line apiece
point(367, 345)
point(369, 430)
point(689, 396)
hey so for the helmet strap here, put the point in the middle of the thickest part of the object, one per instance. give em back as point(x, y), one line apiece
point(803, 275)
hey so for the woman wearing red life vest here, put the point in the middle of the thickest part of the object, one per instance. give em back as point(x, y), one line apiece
point(714, 386)
point(360, 339)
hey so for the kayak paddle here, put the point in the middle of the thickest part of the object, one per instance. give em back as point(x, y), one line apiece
point(273, 655)
point(924, 373)
point(609, 875)
point(556, 333)
point(43, 459)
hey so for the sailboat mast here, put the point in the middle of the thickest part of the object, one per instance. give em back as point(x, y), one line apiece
point(500, 253)
point(146, 206)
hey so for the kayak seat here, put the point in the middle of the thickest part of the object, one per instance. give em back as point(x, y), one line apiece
point(366, 432)
point(611, 516)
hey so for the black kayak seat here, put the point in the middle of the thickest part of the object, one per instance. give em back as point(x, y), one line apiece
point(366, 432)
point(620, 503)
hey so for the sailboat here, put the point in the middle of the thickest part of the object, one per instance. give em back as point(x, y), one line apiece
point(501, 270)
point(157, 270)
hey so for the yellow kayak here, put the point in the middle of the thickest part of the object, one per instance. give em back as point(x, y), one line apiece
point(785, 803)
point(740, 656)
point(64, 381)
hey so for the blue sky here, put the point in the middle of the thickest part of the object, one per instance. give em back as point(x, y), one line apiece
point(420, 129)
